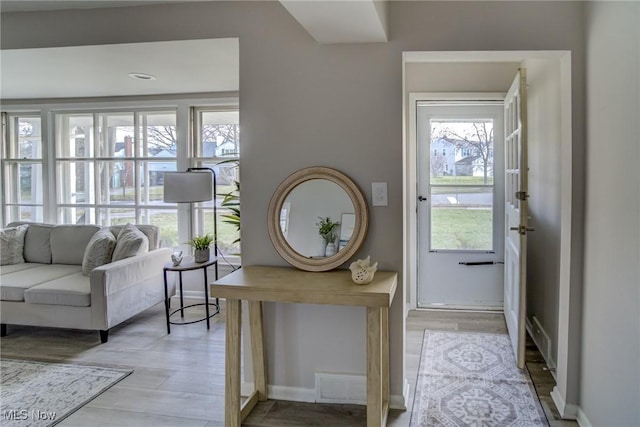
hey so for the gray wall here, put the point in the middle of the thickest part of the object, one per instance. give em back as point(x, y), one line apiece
point(610, 388)
point(306, 103)
point(545, 154)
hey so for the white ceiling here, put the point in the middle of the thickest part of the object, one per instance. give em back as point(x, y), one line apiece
point(193, 66)
point(356, 21)
point(96, 71)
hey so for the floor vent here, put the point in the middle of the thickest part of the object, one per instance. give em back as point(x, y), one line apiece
point(340, 388)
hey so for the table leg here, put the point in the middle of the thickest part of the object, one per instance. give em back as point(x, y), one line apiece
point(374, 367)
point(257, 349)
point(384, 326)
point(181, 296)
point(206, 296)
point(166, 301)
point(232, 365)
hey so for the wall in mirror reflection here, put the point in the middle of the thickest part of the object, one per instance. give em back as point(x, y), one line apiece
point(303, 208)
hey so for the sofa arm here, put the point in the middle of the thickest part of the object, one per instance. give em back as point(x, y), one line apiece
point(119, 275)
point(124, 288)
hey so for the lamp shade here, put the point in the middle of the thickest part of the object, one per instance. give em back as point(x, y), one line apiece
point(187, 187)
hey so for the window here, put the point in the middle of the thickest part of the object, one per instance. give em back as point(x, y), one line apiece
point(23, 168)
point(461, 202)
point(109, 168)
point(217, 146)
point(104, 165)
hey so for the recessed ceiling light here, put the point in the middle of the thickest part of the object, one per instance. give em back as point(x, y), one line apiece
point(142, 76)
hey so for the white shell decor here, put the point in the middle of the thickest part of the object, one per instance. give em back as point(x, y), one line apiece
point(362, 272)
point(176, 258)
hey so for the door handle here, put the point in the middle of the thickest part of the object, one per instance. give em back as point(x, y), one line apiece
point(522, 229)
point(422, 199)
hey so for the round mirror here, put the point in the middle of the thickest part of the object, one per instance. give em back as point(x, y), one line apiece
point(318, 219)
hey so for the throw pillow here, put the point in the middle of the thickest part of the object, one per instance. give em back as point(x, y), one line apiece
point(99, 250)
point(12, 244)
point(130, 242)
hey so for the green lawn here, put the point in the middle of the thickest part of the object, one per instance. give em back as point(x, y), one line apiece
point(461, 228)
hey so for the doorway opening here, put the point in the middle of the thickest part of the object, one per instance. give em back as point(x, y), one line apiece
point(550, 182)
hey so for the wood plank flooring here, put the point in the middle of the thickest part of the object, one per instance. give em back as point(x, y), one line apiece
point(178, 379)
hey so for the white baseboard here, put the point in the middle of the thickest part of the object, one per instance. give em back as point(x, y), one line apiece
point(299, 394)
point(542, 341)
point(582, 419)
point(278, 392)
point(400, 402)
point(567, 411)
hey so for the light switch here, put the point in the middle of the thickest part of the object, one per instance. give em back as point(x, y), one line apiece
point(379, 194)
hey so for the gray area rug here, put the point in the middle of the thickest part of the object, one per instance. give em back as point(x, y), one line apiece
point(43, 394)
point(471, 379)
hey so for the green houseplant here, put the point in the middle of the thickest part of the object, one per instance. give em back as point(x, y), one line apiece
point(326, 228)
point(201, 247)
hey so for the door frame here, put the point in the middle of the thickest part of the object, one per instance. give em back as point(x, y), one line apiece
point(565, 394)
point(471, 97)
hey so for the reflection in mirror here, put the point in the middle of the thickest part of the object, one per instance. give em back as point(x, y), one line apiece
point(303, 208)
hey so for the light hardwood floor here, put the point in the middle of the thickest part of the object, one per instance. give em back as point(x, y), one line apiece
point(178, 379)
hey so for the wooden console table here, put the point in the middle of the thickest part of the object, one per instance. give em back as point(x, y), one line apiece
point(282, 284)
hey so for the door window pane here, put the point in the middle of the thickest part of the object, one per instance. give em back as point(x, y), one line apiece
point(461, 184)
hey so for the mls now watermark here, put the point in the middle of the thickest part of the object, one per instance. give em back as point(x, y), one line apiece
point(23, 414)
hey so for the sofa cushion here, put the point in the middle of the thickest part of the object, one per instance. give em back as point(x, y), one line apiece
point(74, 290)
point(151, 231)
point(6, 269)
point(12, 244)
point(130, 242)
point(37, 245)
point(14, 284)
point(99, 250)
point(68, 243)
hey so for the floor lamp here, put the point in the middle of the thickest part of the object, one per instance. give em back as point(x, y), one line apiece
point(194, 185)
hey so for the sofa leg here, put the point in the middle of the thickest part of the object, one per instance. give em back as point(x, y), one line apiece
point(3, 330)
point(104, 336)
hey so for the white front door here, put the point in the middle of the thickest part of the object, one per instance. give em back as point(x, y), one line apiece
point(460, 170)
point(516, 213)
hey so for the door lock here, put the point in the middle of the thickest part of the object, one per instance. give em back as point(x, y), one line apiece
point(521, 229)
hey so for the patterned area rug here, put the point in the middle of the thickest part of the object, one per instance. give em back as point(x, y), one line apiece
point(471, 379)
point(43, 394)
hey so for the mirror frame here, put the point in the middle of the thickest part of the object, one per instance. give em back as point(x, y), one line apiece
point(281, 245)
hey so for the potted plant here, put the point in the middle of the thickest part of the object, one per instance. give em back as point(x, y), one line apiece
point(201, 247)
point(326, 230)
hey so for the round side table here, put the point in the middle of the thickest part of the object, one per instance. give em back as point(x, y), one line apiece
point(188, 264)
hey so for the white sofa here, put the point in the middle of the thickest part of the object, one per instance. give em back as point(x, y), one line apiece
point(49, 289)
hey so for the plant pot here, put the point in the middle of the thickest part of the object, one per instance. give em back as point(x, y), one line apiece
point(201, 255)
point(330, 250)
point(322, 248)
